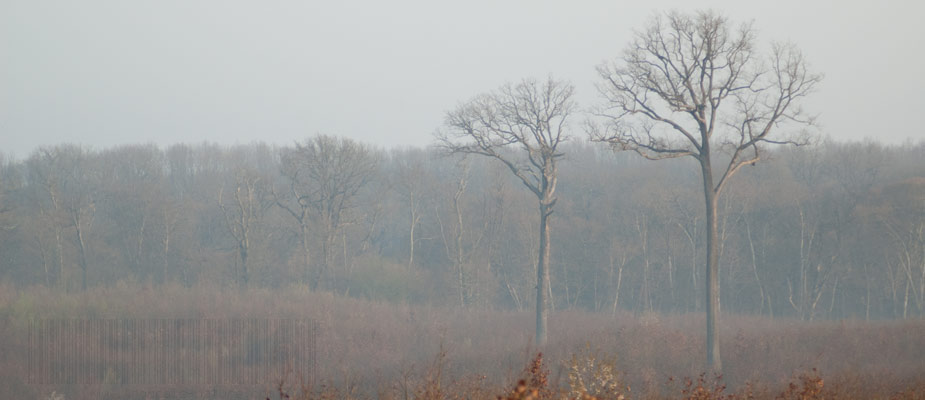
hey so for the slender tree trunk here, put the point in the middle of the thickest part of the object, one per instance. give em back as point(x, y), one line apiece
point(139, 245)
point(643, 229)
point(714, 362)
point(59, 248)
point(44, 262)
point(616, 296)
point(166, 244)
point(242, 250)
point(303, 231)
point(332, 258)
point(343, 242)
point(83, 252)
point(803, 258)
point(542, 276)
point(414, 221)
point(325, 278)
point(751, 246)
point(693, 242)
point(514, 296)
point(459, 249)
point(59, 278)
point(921, 240)
point(671, 289)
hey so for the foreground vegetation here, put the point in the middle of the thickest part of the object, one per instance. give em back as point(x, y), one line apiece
point(388, 350)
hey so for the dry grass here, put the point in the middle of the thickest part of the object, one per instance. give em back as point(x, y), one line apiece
point(378, 350)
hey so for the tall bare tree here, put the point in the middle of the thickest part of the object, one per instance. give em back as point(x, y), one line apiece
point(692, 85)
point(521, 125)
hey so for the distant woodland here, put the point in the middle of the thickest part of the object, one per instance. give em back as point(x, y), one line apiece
point(824, 231)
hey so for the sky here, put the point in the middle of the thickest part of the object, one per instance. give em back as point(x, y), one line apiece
point(104, 73)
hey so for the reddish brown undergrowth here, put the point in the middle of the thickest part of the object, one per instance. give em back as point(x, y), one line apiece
point(379, 350)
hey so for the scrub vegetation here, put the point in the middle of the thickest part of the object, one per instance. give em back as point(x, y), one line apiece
point(367, 349)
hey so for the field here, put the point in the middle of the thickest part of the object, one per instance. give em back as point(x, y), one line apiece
point(362, 349)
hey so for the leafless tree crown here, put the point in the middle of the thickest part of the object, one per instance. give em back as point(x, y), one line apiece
point(327, 172)
point(689, 81)
point(530, 116)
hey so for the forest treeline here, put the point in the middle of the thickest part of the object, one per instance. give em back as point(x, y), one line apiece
point(830, 230)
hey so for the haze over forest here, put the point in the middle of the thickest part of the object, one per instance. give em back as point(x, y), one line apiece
point(231, 213)
point(103, 73)
point(665, 186)
point(832, 230)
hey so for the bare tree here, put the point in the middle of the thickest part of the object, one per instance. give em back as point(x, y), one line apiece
point(7, 223)
point(131, 193)
point(79, 202)
point(296, 203)
point(905, 226)
point(326, 174)
point(65, 174)
point(44, 172)
point(243, 214)
point(694, 85)
point(521, 126)
point(410, 182)
point(457, 249)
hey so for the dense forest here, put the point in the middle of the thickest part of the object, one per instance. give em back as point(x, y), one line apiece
point(829, 230)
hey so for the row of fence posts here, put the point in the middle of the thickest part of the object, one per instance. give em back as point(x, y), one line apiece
point(170, 351)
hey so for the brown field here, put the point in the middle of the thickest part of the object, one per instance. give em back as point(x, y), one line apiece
point(380, 350)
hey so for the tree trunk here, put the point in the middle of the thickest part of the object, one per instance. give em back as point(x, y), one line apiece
point(325, 278)
point(59, 249)
point(303, 231)
point(414, 222)
point(83, 252)
point(751, 246)
point(166, 245)
point(242, 250)
point(343, 242)
point(542, 276)
point(671, 289)
point(461, 284)
point(643, 229)
point(616, 296)
point(714, 361)
point(44, 262)
point(689, 232)
point(139, 245)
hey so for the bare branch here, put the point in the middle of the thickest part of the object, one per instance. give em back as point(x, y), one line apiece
point(671, 86)
point(674, 78)
point(519, 125)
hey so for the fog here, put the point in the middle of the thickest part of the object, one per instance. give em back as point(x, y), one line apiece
point(140, 242)
point(102, 73)
point(417, 200)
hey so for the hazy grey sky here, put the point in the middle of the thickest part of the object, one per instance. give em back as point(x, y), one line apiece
point(102, 73)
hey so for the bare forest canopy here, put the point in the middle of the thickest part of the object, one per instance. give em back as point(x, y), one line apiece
point(826, 231)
